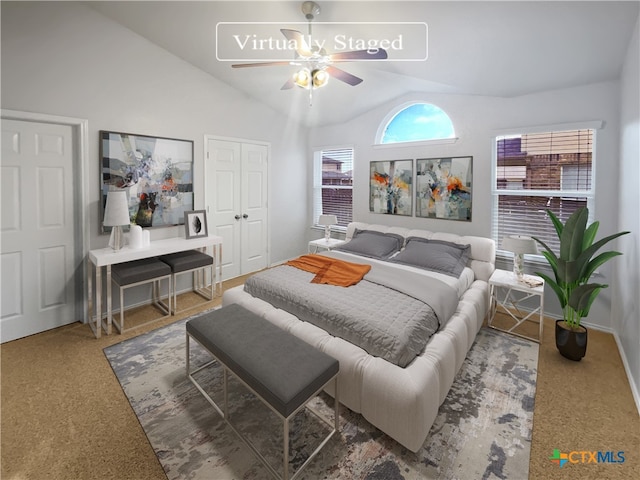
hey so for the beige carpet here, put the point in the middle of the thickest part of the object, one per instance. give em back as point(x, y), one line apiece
point(64, 415)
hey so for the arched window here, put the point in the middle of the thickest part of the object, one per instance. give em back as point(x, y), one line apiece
point(417, 122)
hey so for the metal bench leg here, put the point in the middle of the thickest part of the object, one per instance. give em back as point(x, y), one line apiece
point(285, 442)
point(337, 406)
point(225, 388)
point(187, 352)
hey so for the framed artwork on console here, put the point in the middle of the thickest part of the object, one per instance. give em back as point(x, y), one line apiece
point(156, 173)
point(443, 188)
point(390, 187)
point(195, 224)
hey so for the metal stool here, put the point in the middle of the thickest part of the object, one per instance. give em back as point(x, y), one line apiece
point(131, 274)
point(191, 261)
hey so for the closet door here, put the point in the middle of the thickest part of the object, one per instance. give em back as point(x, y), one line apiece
point(236, 199)
point(254, 237)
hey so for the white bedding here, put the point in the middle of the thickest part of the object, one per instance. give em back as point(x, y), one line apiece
point(460, 284)
point(401, 401)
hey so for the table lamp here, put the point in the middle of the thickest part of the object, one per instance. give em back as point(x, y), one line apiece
point(327, 221)
point(116, 214)
point(519, 245)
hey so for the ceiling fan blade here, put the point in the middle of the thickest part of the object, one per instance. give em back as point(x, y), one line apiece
point(301, 45)
point(261, 64)
point(289, 84)
point(343, 76)
point(380, 54)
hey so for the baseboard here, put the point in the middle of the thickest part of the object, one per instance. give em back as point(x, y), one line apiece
point(600, 328)
point(625, 363)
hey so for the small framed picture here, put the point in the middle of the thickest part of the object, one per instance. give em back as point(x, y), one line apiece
point(195, 224)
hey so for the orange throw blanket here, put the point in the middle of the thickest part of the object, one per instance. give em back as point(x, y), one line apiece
point(331, 271)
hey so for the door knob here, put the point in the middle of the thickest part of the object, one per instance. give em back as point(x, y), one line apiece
point(237, 217)
point(245, 216)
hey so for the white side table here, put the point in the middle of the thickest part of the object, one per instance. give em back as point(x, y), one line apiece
point(322, 244)
point(515, 292)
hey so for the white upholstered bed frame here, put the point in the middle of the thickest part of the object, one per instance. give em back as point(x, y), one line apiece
point(402, 402)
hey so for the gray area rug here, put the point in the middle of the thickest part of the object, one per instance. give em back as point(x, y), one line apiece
point(483, 429)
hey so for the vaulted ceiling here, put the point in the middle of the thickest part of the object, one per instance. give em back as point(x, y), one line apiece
point(492, 48)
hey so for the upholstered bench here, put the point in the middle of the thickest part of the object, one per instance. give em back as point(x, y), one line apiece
point(130, 274)
point(186, 262)
point(280, 369)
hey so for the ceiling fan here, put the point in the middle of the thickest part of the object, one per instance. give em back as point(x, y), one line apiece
point(316, 64)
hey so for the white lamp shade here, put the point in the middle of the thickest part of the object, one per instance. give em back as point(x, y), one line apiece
point(519, 244)
point(116, 211)
point(327, 220)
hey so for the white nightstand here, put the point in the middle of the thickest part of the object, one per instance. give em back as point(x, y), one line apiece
point(514, 294)
point(322, 244)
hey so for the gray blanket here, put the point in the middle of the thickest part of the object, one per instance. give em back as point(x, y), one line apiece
point(388, 314)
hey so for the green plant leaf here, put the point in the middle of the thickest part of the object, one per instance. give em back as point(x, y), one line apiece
point(569, 271)
point(556, 223)
point(553, 262)
point(585, 256)
point(545, 247)
point(556, 288)
point(583, 296)
point(593, 265)
point(572, 234)
point(590, 235)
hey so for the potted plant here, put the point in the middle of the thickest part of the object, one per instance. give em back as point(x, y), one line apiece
point(573, 269)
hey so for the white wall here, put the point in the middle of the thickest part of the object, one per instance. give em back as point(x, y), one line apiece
point(626, 275)
point(476, 120)
point(64, 58)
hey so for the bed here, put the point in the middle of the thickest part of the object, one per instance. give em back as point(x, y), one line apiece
point(396, 383)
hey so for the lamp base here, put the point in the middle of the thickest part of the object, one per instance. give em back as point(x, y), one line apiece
point(327, 233)
point(518, 266)
point(116, 240)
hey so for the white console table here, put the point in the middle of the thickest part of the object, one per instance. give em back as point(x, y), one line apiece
point(105, 257)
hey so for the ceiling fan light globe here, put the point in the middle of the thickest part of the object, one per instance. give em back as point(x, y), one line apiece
point(320, 78)
point(302, 78)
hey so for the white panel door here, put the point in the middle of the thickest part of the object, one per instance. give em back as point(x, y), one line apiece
point(223, 185)
point(254, 208)
point(236, 199)
point(37, 259)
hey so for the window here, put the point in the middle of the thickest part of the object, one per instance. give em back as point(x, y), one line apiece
point(540, 171)
point(333, 184)
point(418, 122)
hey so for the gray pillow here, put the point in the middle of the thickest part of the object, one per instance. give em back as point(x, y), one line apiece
point(435, 255)
point(369, 243)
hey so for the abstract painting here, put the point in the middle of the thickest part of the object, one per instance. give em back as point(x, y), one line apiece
point(390, 188)
point(156, 173)
point(443, 188)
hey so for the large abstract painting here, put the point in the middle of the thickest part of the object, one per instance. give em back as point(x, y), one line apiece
point(443, 188)
point(156, 173)
point(391, 187)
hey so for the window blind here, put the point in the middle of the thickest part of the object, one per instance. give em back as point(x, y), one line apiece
point(333, 185)
point(536, 172)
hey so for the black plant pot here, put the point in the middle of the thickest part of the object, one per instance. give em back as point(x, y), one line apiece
point(571, 344)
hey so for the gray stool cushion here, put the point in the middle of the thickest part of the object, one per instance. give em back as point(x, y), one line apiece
point(183, 261)
point(139, 271)
point(284, 370)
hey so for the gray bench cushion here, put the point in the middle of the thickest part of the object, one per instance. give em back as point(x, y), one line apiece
point(139, 271)
point(284, 370)
point(183, 261)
